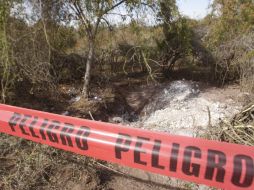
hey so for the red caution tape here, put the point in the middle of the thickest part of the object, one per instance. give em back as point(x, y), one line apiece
point(218, 164)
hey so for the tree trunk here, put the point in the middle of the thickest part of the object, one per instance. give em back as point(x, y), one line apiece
point(88, 69)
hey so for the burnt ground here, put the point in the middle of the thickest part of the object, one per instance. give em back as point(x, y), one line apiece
point(27, 165)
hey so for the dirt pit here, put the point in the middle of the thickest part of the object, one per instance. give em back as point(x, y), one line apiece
point(181, 107)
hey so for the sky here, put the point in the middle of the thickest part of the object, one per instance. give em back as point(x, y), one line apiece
point(196, 9)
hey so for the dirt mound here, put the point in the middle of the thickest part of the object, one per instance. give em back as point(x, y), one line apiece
point(184, 108)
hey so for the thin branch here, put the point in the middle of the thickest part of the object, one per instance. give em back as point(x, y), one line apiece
point(114, 6)
point(107, 22)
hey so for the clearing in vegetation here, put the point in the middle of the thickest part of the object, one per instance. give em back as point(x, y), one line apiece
point(139, 63)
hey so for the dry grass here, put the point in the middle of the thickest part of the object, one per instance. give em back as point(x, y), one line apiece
point(27, 165)
point(95, 105)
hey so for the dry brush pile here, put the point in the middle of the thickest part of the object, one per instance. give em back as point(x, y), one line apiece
point(240, 129)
